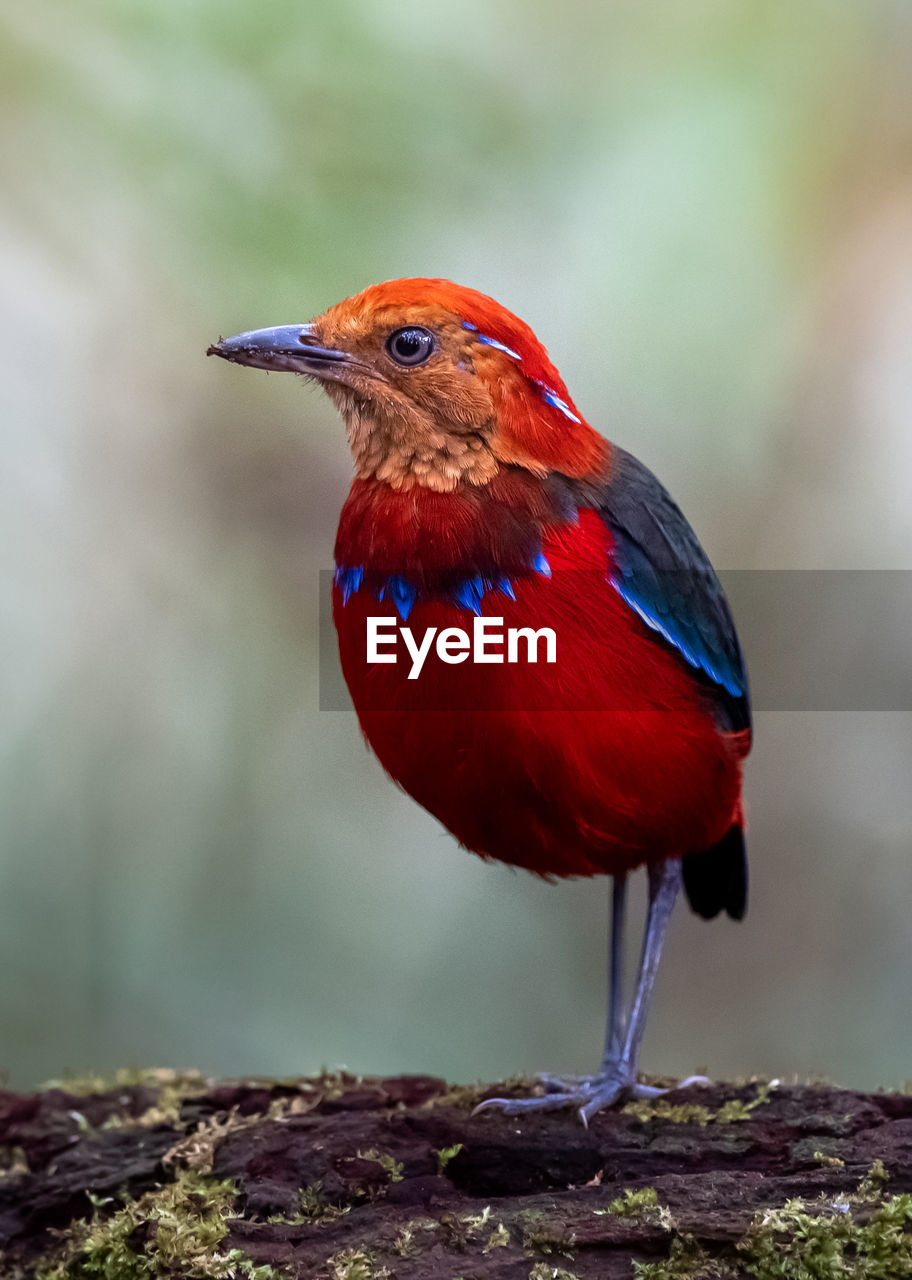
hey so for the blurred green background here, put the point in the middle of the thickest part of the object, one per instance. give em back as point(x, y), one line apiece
point(705, 211)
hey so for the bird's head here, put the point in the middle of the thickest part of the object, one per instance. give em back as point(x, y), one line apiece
point(439, 385)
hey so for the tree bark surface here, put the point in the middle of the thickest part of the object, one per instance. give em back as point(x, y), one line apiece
point(344, 1178)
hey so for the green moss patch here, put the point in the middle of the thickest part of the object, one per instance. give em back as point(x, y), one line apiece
point(176, 1231)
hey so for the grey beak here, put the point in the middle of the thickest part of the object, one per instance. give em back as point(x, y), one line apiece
point(288, 346)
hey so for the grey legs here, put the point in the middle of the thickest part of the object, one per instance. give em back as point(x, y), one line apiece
point(617, 1076)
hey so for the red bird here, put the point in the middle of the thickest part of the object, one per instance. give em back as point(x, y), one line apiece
point(602, 721)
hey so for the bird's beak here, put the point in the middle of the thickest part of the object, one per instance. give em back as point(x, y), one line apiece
point(288, 346)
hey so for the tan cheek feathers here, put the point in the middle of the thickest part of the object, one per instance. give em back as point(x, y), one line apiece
point(454, 422)
point(429, 427)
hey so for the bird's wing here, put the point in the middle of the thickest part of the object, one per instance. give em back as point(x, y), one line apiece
point(662, 572)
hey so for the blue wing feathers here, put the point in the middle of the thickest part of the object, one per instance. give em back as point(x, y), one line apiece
point(662, 572)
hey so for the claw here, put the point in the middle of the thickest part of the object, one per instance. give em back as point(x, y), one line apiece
point(521, 1106)
point(702, 1081)
point(612, 1092)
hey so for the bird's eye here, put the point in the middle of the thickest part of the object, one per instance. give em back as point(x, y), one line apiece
point(410, 346)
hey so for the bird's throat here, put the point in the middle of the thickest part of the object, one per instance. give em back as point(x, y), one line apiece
point(406, 448)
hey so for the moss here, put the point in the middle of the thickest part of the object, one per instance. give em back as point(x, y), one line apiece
point(861, 1236)
point(820, 1157)
point(172, 1085)
point(461, 1230)
point(386, 1162)
point(356, 1264)
point(314, 1208)
point(175, 1231)
point(498, 1239)
point(88, 1083)
point(476, 1221)
point(632, 1203)
point(174, 1088)
point(469, 1095)
point(333, 1084)
point(874, 1181)
point(662, 1109)
point(686, 1261)
point(545, 1271)
point(730, 1112)
point(196, 1150)
point(737, 1109)
point(454, 1233)
point(830, 1242)
point(406, 1243)
point(549, 1238)
point(446, 1154)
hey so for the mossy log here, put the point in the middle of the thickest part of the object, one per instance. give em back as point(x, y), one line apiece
point(344, 1178)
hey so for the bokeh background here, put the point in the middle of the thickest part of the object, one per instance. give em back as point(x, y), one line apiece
point(705, 211)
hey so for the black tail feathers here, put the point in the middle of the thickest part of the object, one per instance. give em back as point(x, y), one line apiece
point(716, 879)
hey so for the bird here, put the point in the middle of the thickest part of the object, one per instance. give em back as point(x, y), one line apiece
point(482, 496)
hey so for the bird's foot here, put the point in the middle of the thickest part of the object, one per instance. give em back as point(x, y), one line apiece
point(589, 1094)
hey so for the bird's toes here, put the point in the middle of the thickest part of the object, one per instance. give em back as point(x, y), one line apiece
point(638, 1090)
point(565, 1084)
point(608, 1094)
point(589, 1094)
point(619, 1088)
point(560, 1091)
point(523, 1106)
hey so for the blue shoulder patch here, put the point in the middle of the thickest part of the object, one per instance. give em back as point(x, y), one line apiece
point(680, 632)
point(661, 571)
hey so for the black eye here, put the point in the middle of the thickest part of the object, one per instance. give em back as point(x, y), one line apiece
point(410, 346)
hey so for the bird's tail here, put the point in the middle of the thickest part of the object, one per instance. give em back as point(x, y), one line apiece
point(715, 879)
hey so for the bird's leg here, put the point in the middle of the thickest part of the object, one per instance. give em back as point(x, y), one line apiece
point(614, 1028)
point(614, 1031)
point(617, 1077)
